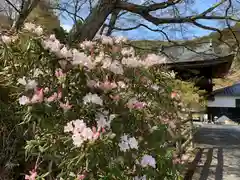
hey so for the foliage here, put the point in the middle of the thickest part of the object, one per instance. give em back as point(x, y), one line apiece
point(45, 17)
point(125, 103)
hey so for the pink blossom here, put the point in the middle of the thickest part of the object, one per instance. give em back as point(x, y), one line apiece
point(115, 97)
point(103, 130)
point(139, 105)
point(81, 176)
point(32, 176)
point(65, 106)
point(107, 85)
point(52, 97)
point(174, 95)
point(133, 103)
point(59, 73)
point(96, 133)
point(59, 94)
point(38, 96)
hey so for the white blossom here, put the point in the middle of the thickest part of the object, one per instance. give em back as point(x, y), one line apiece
point(79, 125)
point(52, 37)
point(120, 39)
point(153, 59)
point(121, 84)
point(132, 62)
point(87, 134)
point(155, 87)
point(148, 160)
point(104, 121)
point(87, 44)
point(24, 100)
point(107, 40)
point(77, 140)
point(116, 67)
point(29, 84)
point(65, 52)
point(29, 27)
point(128, 51)
point(127, 143)
point(52, 44)
point(92, 98)
point(69, 127)
point(37, 72)
point(22, 81)
point(38, 30)
point(123, 145)
point(106, 62)
point(6, 39)
point(79, 58)
point(80, 132)
point(99, 58)
point(140, 178)
point(133, 143)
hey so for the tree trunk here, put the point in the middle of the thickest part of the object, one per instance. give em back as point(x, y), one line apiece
point(27, 8)
point(94, 21)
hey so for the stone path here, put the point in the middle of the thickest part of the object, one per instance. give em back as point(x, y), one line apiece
point(219, 155)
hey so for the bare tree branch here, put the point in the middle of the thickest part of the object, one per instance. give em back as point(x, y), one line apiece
point(14, 7)
point(112, 22)
point(144, 12)
point(229, 26)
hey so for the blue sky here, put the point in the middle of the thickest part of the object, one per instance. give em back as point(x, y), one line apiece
point(143, 33)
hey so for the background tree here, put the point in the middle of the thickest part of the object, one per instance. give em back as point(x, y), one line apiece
point(44, 16)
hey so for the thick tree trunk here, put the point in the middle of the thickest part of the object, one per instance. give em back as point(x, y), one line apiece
point(94, 21)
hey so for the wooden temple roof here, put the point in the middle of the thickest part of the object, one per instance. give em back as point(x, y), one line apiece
point(212, 63)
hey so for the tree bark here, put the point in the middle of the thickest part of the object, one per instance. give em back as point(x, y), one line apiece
point(94, 21)
point(26, 9)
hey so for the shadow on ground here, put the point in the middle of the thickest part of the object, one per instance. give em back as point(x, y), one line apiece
point(218, 157)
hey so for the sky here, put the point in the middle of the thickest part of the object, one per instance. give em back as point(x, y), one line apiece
point(143, 33)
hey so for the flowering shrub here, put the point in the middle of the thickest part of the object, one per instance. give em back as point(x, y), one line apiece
point(96, 111)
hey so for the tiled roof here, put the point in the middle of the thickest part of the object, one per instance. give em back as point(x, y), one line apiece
point(202, 53)
point(233, 90)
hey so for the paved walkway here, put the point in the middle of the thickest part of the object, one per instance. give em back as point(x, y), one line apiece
point(219, 155)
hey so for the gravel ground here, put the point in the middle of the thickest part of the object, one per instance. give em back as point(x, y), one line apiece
point(220, 159)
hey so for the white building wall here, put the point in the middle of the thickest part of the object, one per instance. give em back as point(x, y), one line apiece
point(223, 101)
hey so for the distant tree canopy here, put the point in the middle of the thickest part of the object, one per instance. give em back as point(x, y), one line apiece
point(45, 17)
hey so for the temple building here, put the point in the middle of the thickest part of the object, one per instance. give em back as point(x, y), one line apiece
point(202, 64)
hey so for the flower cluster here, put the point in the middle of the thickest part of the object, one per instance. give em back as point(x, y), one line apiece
point(133, 103)
point(148, 160)
point(33, 28)
point(92, 98)
point(104, 120)
point(113, 90)
point(39, 95)
point(127, 143)
point(80, 132)
point(76, 57)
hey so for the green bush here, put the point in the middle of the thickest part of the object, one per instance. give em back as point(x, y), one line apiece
point(96, 112)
